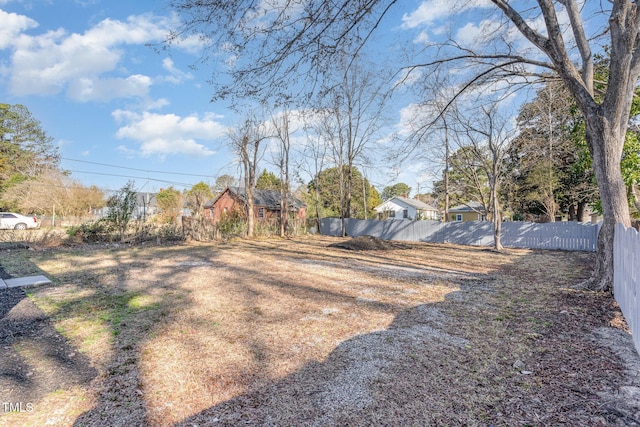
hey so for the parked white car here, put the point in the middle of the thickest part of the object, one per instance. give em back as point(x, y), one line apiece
point(14, 221)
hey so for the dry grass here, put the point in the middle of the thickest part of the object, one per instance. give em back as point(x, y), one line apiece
point(294, 332)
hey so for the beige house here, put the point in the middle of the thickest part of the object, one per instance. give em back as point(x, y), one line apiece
point(471, 211)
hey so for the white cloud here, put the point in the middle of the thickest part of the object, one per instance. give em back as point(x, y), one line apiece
point(154, 104)
point(412, 117)
point(86, 66)
point(428, 12)
point(409, 77)
point(85, 89)
point(11, 25)
point(191, 44)
point(422, 38)
point(165, 134)
point(431, 12)
point(129, 153)
point(477, 34)
point(175, 76)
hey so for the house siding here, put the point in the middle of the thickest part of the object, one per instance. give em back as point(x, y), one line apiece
point(389, 206)
point(229, 201)
point(225, 203)
point(399, 207)
point(466, 216)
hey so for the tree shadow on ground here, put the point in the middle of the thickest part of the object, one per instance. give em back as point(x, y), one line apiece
point(39, 362)
point(492, 353)
point(36, 359)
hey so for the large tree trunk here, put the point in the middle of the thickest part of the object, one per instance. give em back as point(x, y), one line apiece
point(349, 191)
point(317, 204)
point(606, 141)
point(446, 173)
point(580, 213)
point(497, 233)
point(250, 213)
point(497, 217)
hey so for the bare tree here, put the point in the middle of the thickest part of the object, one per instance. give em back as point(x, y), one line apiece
point(281, 125)
point(467, 171)
point(541, 130)
point(333, 131)
point(273, 41)
point(246, 140)
point(606, 122)
point(274, 45)
point(54, 191)
point(431, 132)
point(488, 137)
point(312, 156)
point(354, 118)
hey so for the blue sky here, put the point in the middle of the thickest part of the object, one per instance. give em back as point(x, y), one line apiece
point(85, 69)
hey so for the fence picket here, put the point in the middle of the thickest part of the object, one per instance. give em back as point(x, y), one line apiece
point(626, 277)
point(566, 235)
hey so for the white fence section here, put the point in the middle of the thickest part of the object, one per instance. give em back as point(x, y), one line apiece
point(626, 277)
point(571, 236)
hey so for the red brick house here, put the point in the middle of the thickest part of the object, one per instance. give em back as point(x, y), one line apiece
point(266, 205)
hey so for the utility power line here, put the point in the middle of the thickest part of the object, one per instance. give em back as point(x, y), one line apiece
point(134, 177)
point(136, 169)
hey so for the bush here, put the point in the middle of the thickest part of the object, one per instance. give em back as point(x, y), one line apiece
point(232, 225)
point(93, 231)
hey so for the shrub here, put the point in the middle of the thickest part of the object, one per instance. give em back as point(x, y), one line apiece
point(93, 231)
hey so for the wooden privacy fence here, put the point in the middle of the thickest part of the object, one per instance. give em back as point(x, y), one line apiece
point(571, 236)
point(626, 277)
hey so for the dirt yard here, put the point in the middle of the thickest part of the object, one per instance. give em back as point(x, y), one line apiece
point(307, 332)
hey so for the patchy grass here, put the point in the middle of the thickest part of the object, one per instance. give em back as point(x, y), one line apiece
point(292, 332)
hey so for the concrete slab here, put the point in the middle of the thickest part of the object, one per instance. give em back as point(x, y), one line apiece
point(27, 281)
point(2, 285)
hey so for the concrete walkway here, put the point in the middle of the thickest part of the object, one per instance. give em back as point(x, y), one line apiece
point(23, 281)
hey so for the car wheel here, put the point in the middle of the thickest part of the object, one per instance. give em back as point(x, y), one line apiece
point(21, 226)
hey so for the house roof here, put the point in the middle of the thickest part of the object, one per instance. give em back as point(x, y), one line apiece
point(468, 207)
point(419, 205)
point(270, 199)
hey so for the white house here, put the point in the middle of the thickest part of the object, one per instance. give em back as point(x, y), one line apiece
point(403, 208)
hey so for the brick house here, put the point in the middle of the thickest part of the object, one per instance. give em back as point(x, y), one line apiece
point(266, 205)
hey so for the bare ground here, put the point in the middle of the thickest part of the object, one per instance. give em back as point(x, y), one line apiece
point(307, 332)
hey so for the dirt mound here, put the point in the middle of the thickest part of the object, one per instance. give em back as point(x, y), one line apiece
point(367, 243)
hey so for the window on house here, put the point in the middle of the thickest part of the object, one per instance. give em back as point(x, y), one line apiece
point(405, 213)
point(261, 213)
point(392, 214)
point(458, 217)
